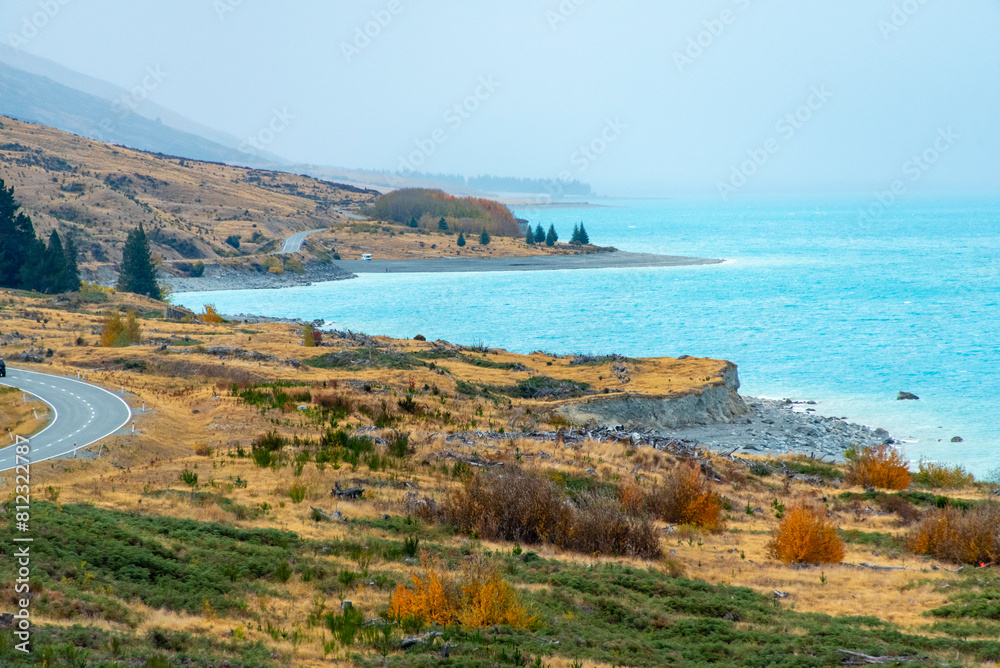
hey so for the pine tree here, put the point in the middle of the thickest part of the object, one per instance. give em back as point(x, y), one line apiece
point(53, 274)
point(575, 238)
point(72, 268)
point(539, 234)
point(442, 224)
point(32, 273)
point(413, 222)
point(529, 236)
point(551, 238)
point(17, 241)
point(484, 238)
point(461, 239)
point(137, 272)
point(584, 237)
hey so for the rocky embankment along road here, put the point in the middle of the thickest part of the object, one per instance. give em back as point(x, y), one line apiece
point(224, 278)
point(783, 427)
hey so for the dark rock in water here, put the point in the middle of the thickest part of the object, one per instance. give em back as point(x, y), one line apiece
point(906, 396)
point(957, 439)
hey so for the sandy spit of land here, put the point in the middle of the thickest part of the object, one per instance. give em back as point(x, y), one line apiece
point(227, 279)
point(613, 260)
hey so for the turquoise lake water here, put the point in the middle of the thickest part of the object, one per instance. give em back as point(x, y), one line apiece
point(813, 302)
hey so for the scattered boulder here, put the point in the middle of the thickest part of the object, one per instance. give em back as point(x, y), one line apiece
point(957, 439)
point(906, 396)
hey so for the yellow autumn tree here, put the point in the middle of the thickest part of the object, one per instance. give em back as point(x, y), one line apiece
point(483, 598)
point(805, 536)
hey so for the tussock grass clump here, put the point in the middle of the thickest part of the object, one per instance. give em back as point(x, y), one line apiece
point(806, 537)
point(338, 406)
point(941, 476)
point(961, 536)
point(380, 415)
point(879, 466)
point(687, 497)
point(481, 598)
point(527, 507)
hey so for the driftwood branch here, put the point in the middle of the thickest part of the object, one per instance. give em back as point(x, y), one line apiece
point(351, 493)
point(335, 517)
point(471, 461)
point(859, 658)
point(876, 567)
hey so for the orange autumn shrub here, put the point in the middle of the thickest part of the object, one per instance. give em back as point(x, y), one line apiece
point(434, 598)
point(489, 599)
point(687, 497)
point(879, 466)
point(210, 315)
point(632, 497)
point(483, 598)
point(960, 536)
point(806, 537)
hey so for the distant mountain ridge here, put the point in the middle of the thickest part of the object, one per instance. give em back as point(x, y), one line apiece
point(41, 99)
point(37, 90)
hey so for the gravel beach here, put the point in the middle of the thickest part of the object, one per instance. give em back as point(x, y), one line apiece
point(222, 278)
point(612, 260)
point(783, 427)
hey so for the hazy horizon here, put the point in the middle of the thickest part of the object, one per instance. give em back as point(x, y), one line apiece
point(723, 99)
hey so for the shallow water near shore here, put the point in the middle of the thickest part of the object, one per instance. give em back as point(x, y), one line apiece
point(814, 302)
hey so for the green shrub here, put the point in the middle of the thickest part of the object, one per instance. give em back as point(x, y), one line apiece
point(941, 476)
point(297, 493)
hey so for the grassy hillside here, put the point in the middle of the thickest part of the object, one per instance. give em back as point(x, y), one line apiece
point(213, 533)
point(97, 192)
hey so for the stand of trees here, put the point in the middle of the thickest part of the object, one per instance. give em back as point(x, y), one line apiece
point(580, 236)
point(458, 214)
point(27, 262)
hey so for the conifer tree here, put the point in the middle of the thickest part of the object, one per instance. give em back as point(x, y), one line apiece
point(484, 238)
point(461, 239)
point(52, 278)
point(413, 222)
point(17, 241)
point(32, 272)
point(551, 238)
point(442, 224)
point(584, 238)
point(539, 234)
point(72, 267)
point(575, 238)
point(529, 236)
point(137, 272)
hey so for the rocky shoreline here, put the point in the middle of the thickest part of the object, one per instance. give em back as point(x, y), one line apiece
point(217, 278)
point(783, 427)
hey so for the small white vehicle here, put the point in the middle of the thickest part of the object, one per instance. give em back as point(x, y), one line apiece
point(366, 256)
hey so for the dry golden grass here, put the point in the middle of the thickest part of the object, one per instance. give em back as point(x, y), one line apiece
point(195, 412)
point(18, 416)
point(189, 208)
point(196, 202)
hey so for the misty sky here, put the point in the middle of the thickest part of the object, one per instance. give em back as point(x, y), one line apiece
point(874, 83)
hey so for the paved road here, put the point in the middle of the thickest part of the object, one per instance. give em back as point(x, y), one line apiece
point(84, 414)
point(612, 260)
point(293, 244)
